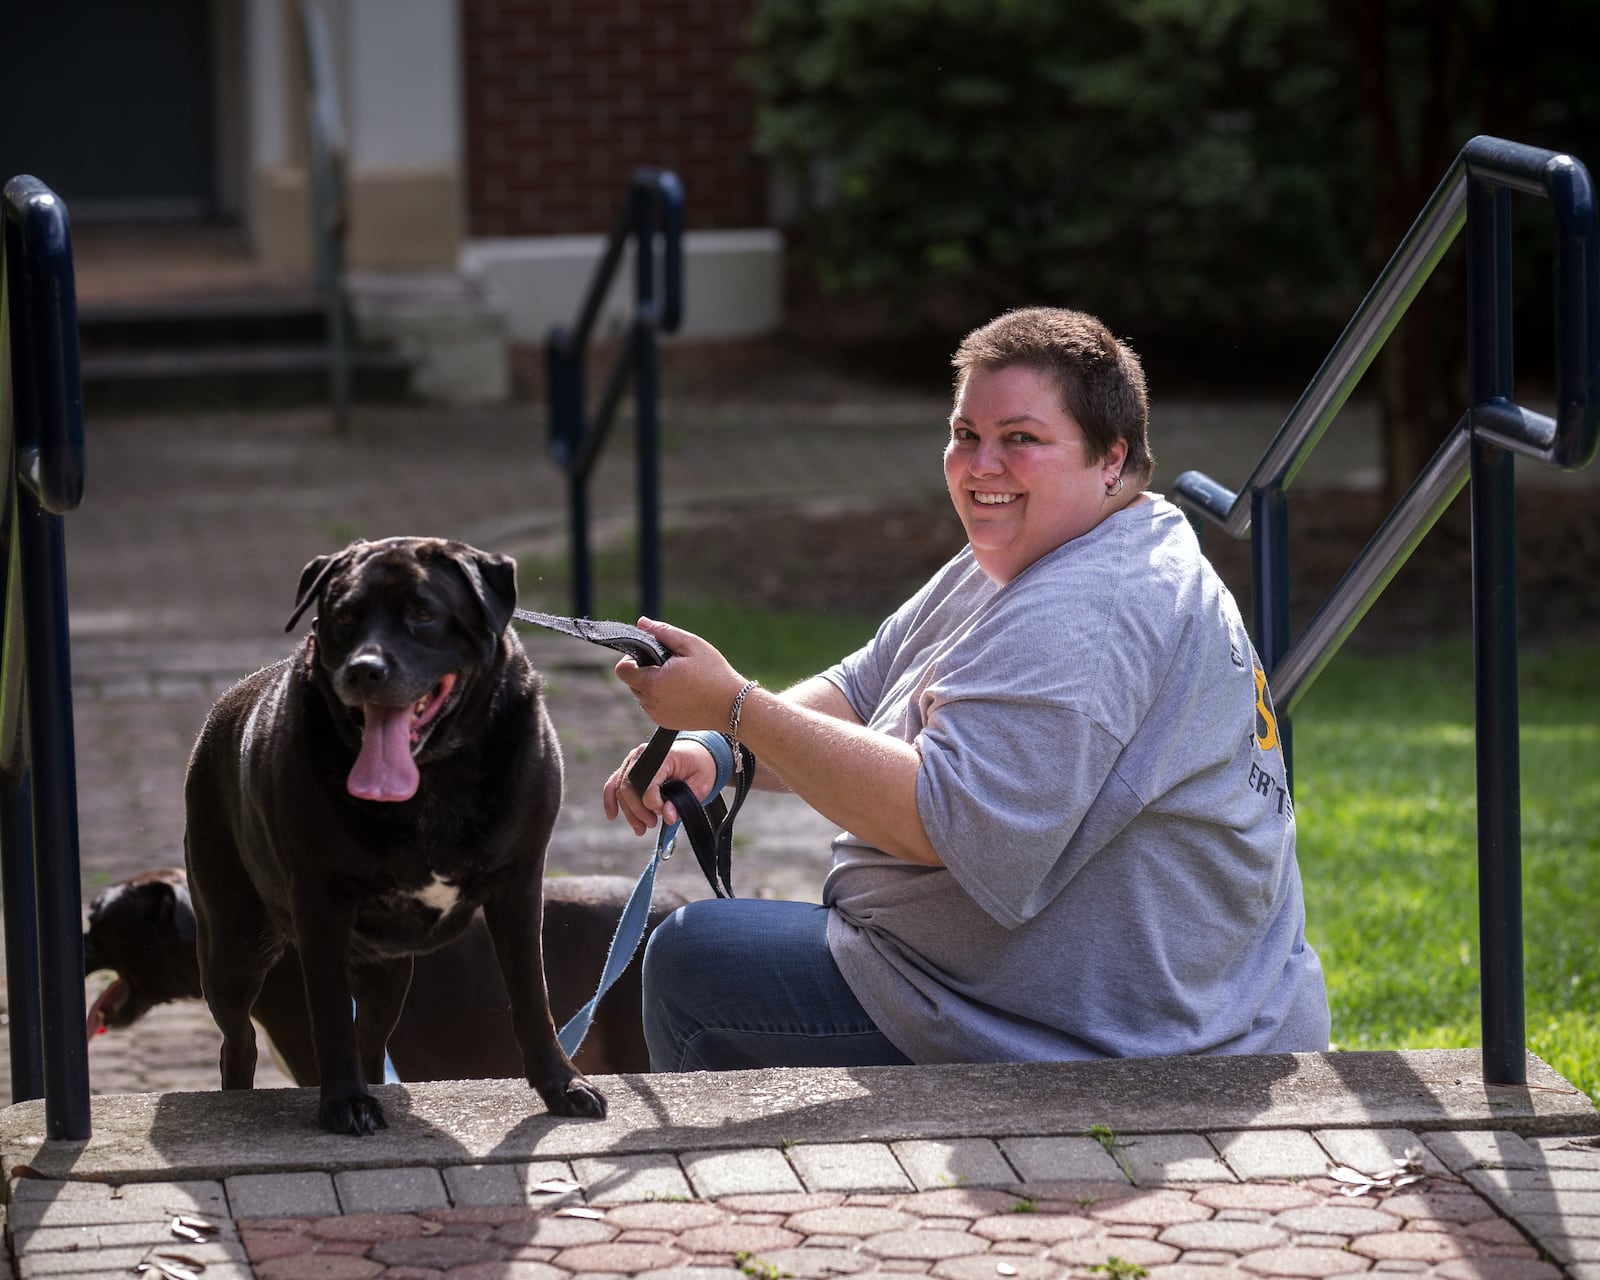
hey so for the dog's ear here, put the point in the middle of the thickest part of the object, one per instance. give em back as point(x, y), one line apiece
point(156, 905)
point(493, 579)
point(312, 578)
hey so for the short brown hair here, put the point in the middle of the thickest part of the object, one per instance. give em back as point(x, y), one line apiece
point(1100, 379)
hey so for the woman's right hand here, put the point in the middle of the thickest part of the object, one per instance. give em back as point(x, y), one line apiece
point(687, 762)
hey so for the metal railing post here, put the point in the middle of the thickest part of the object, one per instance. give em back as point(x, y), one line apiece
point(647, 424)
point(41, 446)
point(1494, 642)
point(1475, 194)
point(57, 880)
point(564, 379)
point(652, 212)
point(22, 936)
point(325, 125)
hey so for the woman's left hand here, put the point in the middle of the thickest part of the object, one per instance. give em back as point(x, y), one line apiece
point(693, 689)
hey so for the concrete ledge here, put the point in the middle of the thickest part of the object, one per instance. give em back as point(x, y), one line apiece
point(732, 282)
point(143, 1137)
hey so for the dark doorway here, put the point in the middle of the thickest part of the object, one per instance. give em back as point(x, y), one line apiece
point(110, 103)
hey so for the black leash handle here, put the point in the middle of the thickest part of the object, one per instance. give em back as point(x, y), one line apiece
point(709, 827)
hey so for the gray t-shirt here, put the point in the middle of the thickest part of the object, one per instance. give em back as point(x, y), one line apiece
point(1102, 779)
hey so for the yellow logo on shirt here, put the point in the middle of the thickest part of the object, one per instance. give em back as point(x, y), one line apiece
point(1266, 722)
point(1265, 784)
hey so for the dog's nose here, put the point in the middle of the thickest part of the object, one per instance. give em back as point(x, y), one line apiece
point(367, 668)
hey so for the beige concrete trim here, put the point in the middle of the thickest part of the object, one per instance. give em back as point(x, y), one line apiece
point(283, 218)
point(404, 219)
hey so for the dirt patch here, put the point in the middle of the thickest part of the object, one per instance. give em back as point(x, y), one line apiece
point(868, 562)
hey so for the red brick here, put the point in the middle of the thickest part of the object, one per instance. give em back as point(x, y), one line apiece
point(438, 1252)
point(1414, 1246)
point(1151, 1209)
point(618, 1257)
point(1046, 1228)
point(555, 1233)
point(1438, 1207)
point(1493, 1230)
point(982, 1267)
point(1313, 1264)
point(956, 1202)
point(923, 1245)
point(822, 1263)
point(369, 1227)
point(1337, 1220)
point(665, 1215)
point(511, 1269)
point(1497, 1269)
point(850, 1220)
point(1233, 1238)
point(319, 1266)
point(533, 71)
point(736, 1237)
point(1269, 1197)
point(1094, 1250)
point(483, 1215)
point(263, 1245)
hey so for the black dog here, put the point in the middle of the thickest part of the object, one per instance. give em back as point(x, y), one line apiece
point(456, 1024)
point(362, 798)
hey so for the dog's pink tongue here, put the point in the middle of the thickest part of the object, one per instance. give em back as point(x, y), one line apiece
point(385, 770)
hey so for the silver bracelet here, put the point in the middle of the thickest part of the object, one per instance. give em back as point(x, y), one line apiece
point(733, 722)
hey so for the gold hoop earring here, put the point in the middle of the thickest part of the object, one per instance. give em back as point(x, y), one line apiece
point(1115, 487)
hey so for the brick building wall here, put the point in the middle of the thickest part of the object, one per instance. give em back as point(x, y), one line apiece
point(565, 98)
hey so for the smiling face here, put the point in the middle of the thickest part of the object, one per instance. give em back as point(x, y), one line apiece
point(1019, 471)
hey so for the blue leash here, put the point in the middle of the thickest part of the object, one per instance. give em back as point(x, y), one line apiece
point(624, 942)
point(710, 826)
point(636, 915)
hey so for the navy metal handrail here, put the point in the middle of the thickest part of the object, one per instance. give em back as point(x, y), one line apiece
point(325, 126)
point(1481, 449)
point(652, 219)
point(41, 441)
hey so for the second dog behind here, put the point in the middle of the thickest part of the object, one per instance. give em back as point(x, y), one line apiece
point(456, 1023)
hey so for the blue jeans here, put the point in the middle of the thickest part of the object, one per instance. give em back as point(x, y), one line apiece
point(731, 983)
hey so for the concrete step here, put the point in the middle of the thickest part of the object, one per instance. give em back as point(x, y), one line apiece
point(261, 350)
point(264, 349)
point(276, 377)
point(263, 316)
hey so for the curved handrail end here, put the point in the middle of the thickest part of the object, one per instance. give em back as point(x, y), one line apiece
point(1200, 493)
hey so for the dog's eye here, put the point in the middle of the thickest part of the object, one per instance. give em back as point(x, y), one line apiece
point(421, 614)
point(343, 617)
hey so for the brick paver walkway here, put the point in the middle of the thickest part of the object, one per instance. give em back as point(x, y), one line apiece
point(1174, 1207)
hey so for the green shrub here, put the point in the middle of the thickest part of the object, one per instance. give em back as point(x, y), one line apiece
point(1137, 158)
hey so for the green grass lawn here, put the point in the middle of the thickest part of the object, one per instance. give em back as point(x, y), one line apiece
point(1385, 798)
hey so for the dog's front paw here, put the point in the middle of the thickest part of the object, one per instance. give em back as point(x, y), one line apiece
point(577, 1098)
point(358, 1114)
